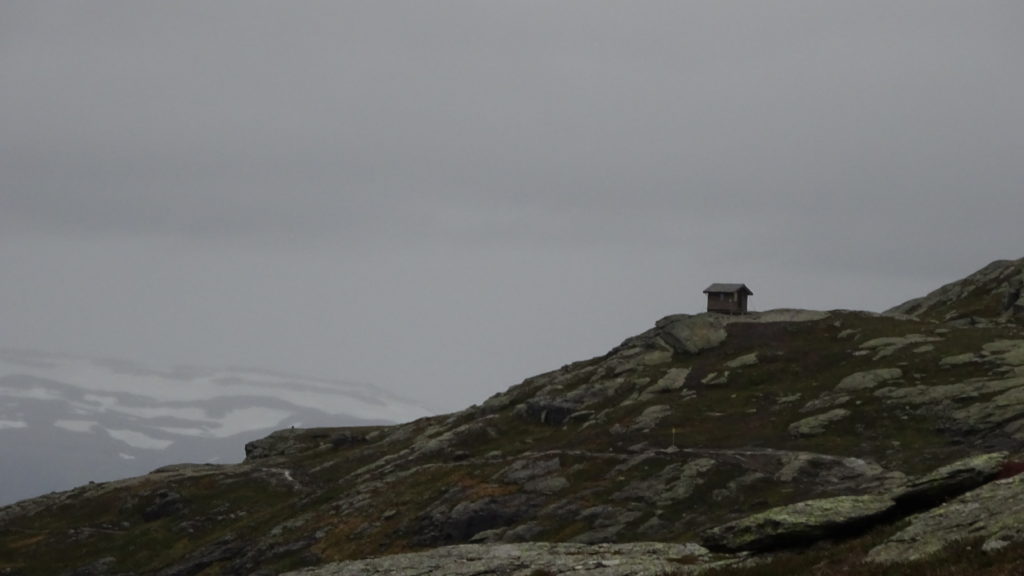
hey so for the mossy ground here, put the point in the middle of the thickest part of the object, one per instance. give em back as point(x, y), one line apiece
point(348, 516)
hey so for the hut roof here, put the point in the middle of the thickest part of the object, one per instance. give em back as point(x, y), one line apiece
point(728, 288)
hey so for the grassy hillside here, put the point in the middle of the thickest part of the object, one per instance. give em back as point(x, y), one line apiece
point(652, 441)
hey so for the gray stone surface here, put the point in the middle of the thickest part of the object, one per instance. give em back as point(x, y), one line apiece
point(691, 334)
point(1007, 352)
point(674, 483)
point(993, 514)
point(889, 345)
point(827, 470)
point(952, 480)
point(827, 400)
point(937, 395)
point(817, 424)
point(742, 361)
point(868, 379)
point(797, 524)
point(959, 359)
point(1002, 409)
point(954, 291)
point(650, 417)
point(672, 381)
point(528, 559)
point(898, 341)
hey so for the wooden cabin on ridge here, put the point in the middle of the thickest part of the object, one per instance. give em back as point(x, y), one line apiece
point(728, 298)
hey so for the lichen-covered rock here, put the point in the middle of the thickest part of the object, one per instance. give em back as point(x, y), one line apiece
point(1003, 409)
point(692, 334)
point(656, 357)
point(951, 480)
point(898, 341)
point(959, 359)
point(810, 468)
point(673, 484)
point(1007, 352)
point(672, 381)
point(889, 345)
point(650, 417)
point(541, 476)
point(527, 559)
point(295, 440)
point(868, 379)
point(827, 400)
point(937, 396)
point(453, 520)
point(715, 378)
point(688, 334)
point(548, 410)
point(993, 513)
point(943, 303)
point(797, 524)
point(815, 425)
point(165, 503)
point(742, 361)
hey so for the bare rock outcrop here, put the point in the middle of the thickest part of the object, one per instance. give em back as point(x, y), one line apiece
point(998, 279)
point(816, 425)
point(800, 523)
point(527, 559)
point(993, 514)
point(868, 379)
point(691, 334)
point(951, 480)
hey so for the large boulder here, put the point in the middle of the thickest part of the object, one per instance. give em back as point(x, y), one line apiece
point(993, 514)
point(688, 334)
point(816, 425)
point(951, 480)
point(526, 559)
point(999, 411)
point(692, 334)
point(868, 379)
point(798, 524)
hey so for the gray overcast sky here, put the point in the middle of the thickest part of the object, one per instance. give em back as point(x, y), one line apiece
point(445, 197)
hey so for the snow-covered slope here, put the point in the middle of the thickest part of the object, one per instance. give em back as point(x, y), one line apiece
point(66, 421)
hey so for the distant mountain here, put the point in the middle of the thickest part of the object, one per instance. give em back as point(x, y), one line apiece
point(66, 421)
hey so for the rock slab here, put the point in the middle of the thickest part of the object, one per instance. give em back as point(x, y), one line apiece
point(993, 514)
point(952, 480)
point(797, 524)
point(527, 559)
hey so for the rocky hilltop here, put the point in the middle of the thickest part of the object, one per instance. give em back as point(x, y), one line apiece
point(787, 441)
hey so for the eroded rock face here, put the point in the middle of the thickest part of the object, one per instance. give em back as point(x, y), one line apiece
point(951, 480)
point(672, 381)
point(868, 379)
point(650, 417)
point(742, 361)
point(816, 425)
point(1003, 409)
point(800, 523)
point(291, 441)
point(993, 513)
point(673, 484)
point(942, 302)
point(527, 559)
point(888, 345)
point(692, 334)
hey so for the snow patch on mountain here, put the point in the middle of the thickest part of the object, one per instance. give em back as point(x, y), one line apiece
point(68, 420)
